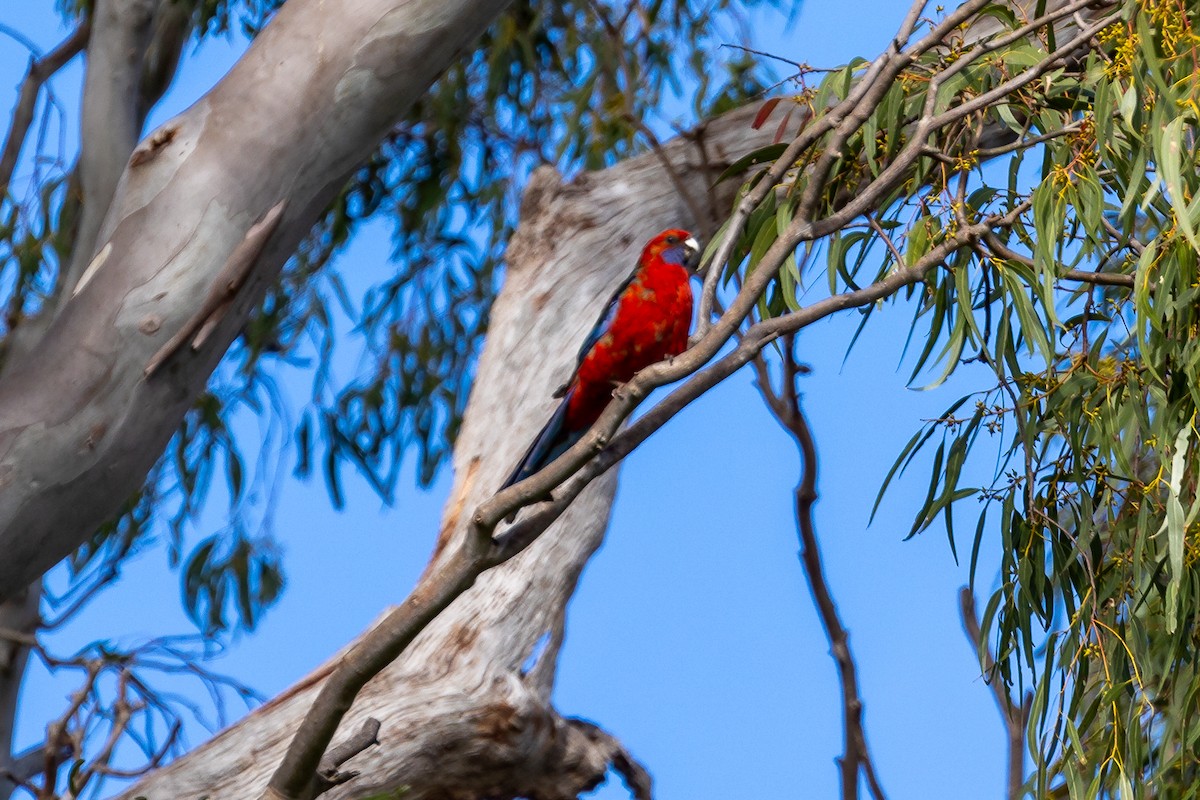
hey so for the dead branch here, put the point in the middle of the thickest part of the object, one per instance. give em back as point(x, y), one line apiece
point(479, 552)
point(784, 404)
point(455, 573)
point(458, 569)
point(635, 776)
point(328, 773)
point(1014, 716)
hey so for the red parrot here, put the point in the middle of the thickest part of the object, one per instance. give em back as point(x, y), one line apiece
point(646, 320)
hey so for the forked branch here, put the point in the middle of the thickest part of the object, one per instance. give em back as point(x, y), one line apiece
point(1014, 716)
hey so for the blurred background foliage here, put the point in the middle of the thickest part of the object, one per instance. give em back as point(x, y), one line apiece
point(571, 84)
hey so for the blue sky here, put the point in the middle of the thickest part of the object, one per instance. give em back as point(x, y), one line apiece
point(692, 636)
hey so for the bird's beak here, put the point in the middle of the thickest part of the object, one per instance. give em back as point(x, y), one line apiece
point(691, 253)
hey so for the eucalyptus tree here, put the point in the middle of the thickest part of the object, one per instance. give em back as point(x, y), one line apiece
point(1022, 177)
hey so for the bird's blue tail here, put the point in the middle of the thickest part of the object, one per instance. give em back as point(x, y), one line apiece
point(551, 443)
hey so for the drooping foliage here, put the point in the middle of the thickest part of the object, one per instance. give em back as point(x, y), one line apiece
point(1073, 305)
point(1028, 194)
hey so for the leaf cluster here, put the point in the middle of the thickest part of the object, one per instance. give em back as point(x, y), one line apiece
point(1081, 320)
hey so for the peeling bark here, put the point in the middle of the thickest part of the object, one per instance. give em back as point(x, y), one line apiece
point(460, 717)
point(79, 424)
point(112, 120)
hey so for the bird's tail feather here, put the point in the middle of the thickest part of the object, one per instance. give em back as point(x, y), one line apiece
point(552, 442)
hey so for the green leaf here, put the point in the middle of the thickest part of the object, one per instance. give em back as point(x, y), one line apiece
point(1174, 523)
point(1170, 156)
point(763, 155)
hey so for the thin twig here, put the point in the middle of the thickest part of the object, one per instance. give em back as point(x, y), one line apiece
point(785, 405)
point(18, 637)
point(103, 578)
point(800, 67)
point(1025, 143)
point(997, 246)
point(1015, 717)
point(808, 136)
point(600, 440)
point(40, 70)
point(1134, 244)
point(589, 458)
point(887, 240)
point(1098, 278)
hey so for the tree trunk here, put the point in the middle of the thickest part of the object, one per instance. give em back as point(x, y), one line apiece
point(463, 714)
point(80, 421)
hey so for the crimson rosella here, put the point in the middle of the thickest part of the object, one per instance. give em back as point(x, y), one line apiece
point(646, 320)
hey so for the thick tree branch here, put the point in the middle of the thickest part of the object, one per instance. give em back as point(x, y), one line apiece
point(846, 117)
point(635, 776)
point(461, 560)
point(477, 552)
point(445, 703)
point(554, 477)
point(294, 778)
point(172, 27)
point(467, 547)
point(480, 552)
point(79, 425)
point(111, 120)
point(811, 132)
point(220, 296)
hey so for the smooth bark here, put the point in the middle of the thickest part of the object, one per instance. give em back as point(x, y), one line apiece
point(80, 424)
point(111, 119)
point(467, 665)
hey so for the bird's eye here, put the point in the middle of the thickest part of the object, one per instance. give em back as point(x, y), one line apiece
point(672, 239)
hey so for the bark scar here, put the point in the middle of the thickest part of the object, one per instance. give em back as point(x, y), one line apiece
point(224, 289)
point(148, 149)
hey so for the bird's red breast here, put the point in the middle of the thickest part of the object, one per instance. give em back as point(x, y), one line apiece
point(646, 321)
point(650, 323)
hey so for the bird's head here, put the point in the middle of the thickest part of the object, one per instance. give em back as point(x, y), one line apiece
point(675, 246)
